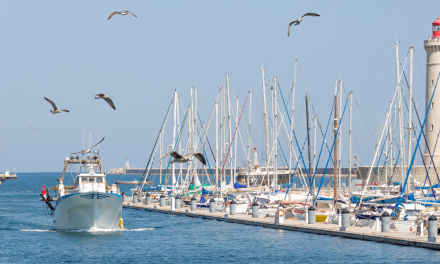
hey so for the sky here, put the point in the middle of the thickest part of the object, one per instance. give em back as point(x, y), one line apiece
point(68, 51)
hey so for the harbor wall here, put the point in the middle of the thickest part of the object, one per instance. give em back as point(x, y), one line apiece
point(418, 173)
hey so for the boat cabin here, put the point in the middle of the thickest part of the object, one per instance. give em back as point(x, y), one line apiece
point(90, 181)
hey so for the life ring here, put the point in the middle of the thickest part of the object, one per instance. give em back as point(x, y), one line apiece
point(227, 203)
point(281, 212)
point(153, 196)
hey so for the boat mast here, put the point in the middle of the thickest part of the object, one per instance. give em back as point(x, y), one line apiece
point(411, 50)
point(223, 131)
point(275, 138)
point(291, 122)
point(314, 152)
point(308, 148)
point(249, 142)
point(216, 143)
point(195, 138)
point(340, 138)
point(266, 129)
point(174, 135)
point(229, 126)
point(235, 155)
point(402, 150)
point(335, 194)
point(349, 151)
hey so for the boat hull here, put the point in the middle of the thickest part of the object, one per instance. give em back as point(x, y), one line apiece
point(88, 210)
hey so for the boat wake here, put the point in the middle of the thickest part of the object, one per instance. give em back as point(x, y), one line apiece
point(37, 230)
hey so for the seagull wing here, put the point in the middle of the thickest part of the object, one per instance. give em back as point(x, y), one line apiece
point(199, 156)
point(175, 155)
point(116, 12)
point(64, 110)
point(131, 13)
point(110, 102)
point(52, 103)
point(310, 14)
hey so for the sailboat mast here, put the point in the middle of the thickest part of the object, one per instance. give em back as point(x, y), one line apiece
point(350, 151)
point(411, 51)
point(401, 135)
point(275, 138)
point(291, 122)
point(308, 147)
point(340, 138)
point(174, 134)
point(216, 143)
point(229, 126)
point(335, 194)
point(266, 129)
point(235, 155)
point(249, 142)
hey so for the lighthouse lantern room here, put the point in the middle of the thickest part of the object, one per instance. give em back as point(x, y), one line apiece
point(436, 28)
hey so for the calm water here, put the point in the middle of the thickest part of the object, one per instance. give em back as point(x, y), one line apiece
point(27, 235)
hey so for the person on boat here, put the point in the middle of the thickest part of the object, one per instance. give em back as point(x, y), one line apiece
point(43, 192)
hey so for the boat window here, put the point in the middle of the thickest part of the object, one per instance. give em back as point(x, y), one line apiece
point(91, 179)
point(432, 82)
point(84, 180)
point(99, 180)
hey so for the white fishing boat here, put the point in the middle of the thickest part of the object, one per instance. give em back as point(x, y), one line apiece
point(90, 203)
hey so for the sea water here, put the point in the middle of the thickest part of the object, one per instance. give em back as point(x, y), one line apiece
point(28, 236)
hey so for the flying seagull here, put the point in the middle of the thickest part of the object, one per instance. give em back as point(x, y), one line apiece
point(296, 22)
point(121, 13)
point(106, 98)
point(186, 158)
point(89, 149)
point(55, 109)
point(34, 128)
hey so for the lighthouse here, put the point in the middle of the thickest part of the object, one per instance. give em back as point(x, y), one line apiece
point(432, 127)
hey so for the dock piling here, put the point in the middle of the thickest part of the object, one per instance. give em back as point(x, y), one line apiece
point(162, 201)
point(147, 199)
point(193, 203)
point(232, 207)
point(212, 205)
point(345, 220)
point(432, 228)
point(255, 209)
point(311, 215)
point(177, 202)
point(385, 222)
point(135, 198)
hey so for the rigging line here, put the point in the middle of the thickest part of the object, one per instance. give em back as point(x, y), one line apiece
point(230, 145)
point(366, 125)
point(397, 159)
point(157, 139)
point(418, 142)
point(175, 144)
point(304, 79)
point(420, 124)
point(320, 152)
point(279, 144)
point(427, 175)
point(328, 160)
point(296, 140)
point(380, 156)
point(209, 144)
point(388, 152)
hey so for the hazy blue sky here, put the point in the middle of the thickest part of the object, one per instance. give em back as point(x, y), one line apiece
point(68, 51)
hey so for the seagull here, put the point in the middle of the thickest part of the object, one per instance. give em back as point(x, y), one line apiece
point(34, 128)
point(296, 22)
point(106, 98)
point(186, 158)
point(55, 109)
point(89, 149)
point(121, 13)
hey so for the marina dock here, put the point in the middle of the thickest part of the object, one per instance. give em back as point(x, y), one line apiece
point(359, 233)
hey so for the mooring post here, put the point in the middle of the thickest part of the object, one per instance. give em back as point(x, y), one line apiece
point(212, 205)
point(385, 222)
point(432, 228)
point(345, 220)
point(312, 215)
point(281, 214)
point(173, 203)
point(255, 209)
point(232, 207)
point(193, 203)
point(148, 199)
point(162, 201)
point(135, 198)
point(178, 202)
